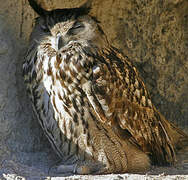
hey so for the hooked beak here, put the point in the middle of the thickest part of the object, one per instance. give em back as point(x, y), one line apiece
point(61, 41)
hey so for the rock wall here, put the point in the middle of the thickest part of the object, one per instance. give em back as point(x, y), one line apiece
point(152, 33)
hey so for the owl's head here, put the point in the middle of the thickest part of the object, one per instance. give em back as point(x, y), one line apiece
point(69, 25)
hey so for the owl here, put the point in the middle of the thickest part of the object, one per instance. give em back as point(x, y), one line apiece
point(89, 99)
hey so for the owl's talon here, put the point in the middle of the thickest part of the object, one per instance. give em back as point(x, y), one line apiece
point(75, 169)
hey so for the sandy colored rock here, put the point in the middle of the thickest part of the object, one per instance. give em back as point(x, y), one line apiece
point(152, 33)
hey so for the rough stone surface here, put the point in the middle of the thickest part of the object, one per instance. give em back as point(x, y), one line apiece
point(152, 33)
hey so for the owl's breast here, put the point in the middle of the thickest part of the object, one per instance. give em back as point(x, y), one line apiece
point(61, 90)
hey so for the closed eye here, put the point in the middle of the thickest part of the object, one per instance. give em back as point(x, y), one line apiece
point(77, 27)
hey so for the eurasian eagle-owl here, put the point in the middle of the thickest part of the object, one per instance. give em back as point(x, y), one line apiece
point(89, 99)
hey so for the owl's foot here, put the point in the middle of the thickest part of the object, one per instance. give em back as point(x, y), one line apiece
point(75, 169)
point(80, 169)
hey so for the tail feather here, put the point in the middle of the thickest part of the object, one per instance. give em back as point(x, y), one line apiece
point(180, 139)
point(176, 139)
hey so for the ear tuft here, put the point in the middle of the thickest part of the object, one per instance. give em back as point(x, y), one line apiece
point(87, 5)
point(37, 8)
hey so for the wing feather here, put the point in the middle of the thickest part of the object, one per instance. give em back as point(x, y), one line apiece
point(125, 103)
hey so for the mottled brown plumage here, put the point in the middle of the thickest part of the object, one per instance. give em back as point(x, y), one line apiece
point(90, 100)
